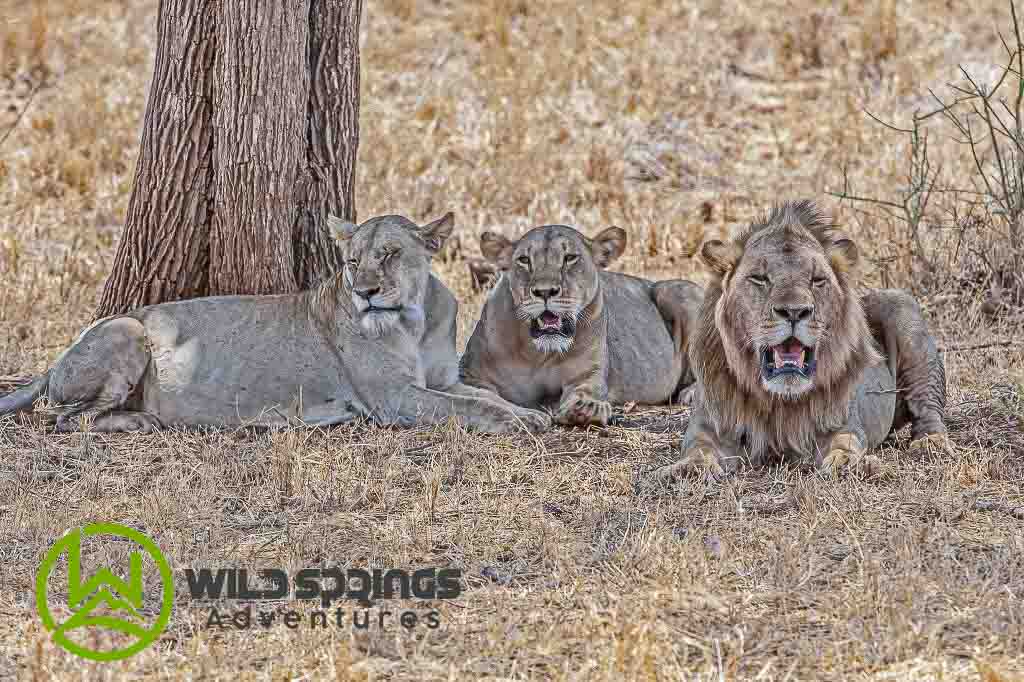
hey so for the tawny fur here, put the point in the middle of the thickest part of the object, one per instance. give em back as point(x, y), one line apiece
point(853, 403)
point(625, 337)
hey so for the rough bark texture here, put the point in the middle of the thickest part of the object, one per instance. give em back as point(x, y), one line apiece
point(249, 142)
point(261, 103)
point(163, 254)
point(332, 134)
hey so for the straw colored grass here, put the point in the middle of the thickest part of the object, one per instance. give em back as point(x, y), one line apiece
point(675, 121)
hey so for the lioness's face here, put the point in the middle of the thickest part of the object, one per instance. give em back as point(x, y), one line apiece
point(553, 273)
point(780, 306)
point(387, 267)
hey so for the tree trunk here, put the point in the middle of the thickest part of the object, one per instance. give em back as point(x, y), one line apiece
point(332, 133)
point(163, 254)
point(249, 141)
point(262, 93)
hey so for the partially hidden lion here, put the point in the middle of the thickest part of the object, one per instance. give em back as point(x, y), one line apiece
point(791, 361)
point(559, 330)
point(375, 341)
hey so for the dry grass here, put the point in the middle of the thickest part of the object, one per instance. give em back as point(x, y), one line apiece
point(675, 121)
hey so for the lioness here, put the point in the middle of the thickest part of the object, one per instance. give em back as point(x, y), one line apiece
point(376, 340)
point(558, 328)
point(787, 358)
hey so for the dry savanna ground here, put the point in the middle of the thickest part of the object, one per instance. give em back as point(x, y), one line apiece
point(673, 120)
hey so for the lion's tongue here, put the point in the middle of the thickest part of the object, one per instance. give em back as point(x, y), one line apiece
point(789, 353)
point(548, 320)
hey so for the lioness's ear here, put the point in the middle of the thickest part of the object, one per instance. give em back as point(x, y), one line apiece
point(341, 229)
point(436, 233)
point(608, 246)
point(844, 255)
point(497, 249)
point(720, 256)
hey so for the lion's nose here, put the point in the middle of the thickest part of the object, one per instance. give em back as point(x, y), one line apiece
point(366, 292)
point(546, 292)
point(794, 313)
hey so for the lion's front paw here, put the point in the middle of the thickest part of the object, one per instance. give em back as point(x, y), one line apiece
point(933, 443)
point(847, 455)
point(580, 410)
point(698, 461)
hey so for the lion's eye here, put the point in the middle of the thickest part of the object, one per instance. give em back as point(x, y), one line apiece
point(819, 281)
point(571, 258)
point(759, 280)
point(388, 255)
point(524, 261)
point(352, 262)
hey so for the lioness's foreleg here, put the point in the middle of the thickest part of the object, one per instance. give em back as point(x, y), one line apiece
point(416, 405)
point(679, 302)
point(915, 362)
point(99, 373)
point(492, 396)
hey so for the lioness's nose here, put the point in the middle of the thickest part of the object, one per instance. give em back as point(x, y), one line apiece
point(794, 313)
point(546, 292)
point(366, 292)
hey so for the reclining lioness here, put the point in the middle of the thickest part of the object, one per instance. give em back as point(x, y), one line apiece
point(790, 360)
point(559, 329)
point(376, 340)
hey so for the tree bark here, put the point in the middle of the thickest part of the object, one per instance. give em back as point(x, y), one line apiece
point(163, 254)
point(249, 141)
point(332, 134)
point(262, 98)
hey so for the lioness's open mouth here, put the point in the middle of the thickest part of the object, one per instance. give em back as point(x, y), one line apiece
point(789, 357)
point(548, 323)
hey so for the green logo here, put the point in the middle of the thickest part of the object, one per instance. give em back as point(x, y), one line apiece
point(105, 601)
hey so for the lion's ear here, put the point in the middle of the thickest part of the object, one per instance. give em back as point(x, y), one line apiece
point(608, 246)
point(497, 249)
point(341, 229)
point(720, 256)
point(436, 233)
point(843, 254)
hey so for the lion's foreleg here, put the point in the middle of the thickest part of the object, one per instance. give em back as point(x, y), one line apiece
point(703, 453)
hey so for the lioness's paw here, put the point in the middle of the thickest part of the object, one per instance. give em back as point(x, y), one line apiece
point(581, 411)
point(933, 443)
point(533, 420)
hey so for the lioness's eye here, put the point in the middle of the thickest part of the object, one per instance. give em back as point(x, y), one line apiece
point(819, 281)
point(524, 261)
point(759, 280)
point(352, 262)
point(390, 254)
point(571, 258)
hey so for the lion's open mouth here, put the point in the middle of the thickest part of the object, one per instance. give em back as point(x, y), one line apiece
point(789, 357)
point(548, 323)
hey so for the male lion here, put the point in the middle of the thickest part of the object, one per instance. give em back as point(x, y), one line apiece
point(557, 327)
point(376, 340)
point(787, 359)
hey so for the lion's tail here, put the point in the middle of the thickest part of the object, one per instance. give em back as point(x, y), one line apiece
point(22, 399)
